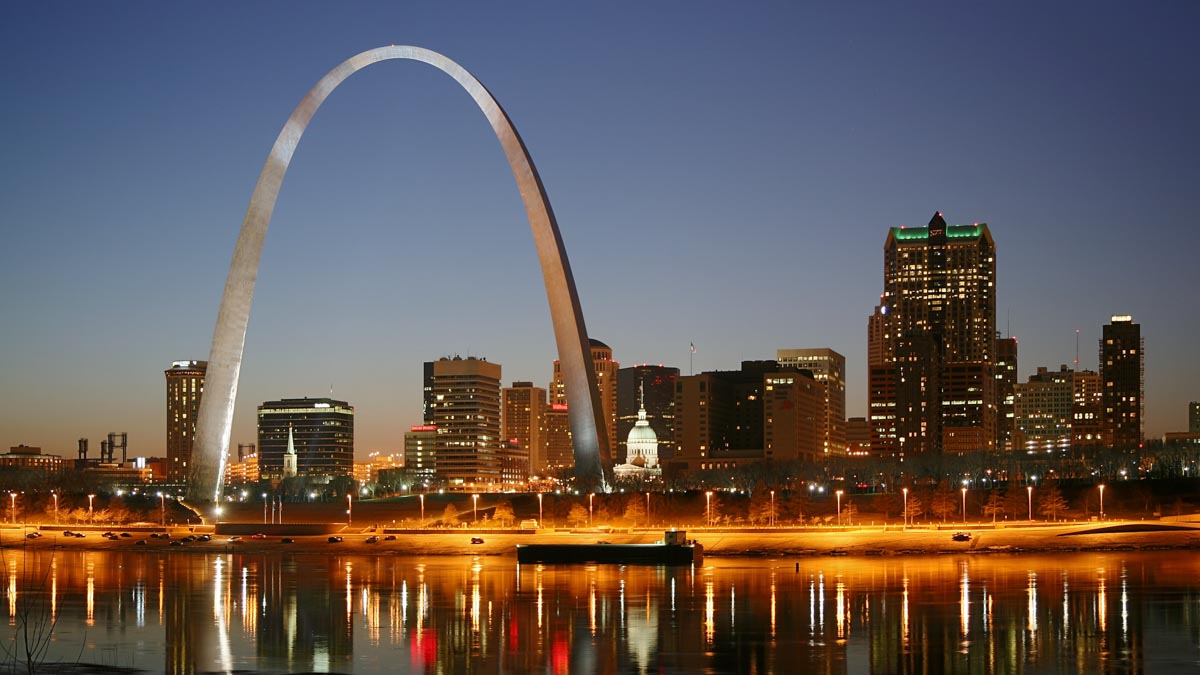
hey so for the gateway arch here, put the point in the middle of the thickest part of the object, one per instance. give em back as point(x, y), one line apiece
point(214, 423)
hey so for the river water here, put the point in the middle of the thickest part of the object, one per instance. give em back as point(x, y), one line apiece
point(183, 613)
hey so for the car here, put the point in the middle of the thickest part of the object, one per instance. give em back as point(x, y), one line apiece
point(108, 534)
point(68, 533)
point(476, 540)
point(165, 535)
point(260, 535)
point(390, 537)
point(335, 540)
point(78, 535)
point(288, 540)
point(33, 535)
point(372, 539)
point(205, 537)
point(126, 535)
point(190, 537)
point(140, 542)
point(177, 542)
point(961, 536)
point(234, 539)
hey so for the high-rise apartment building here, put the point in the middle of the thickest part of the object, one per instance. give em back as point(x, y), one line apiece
point(1122, 369)
point(524, 422)
point(858, 436)
point(829, 370)
point(1044, 409)
point(560, 453)
point(1194, 417)
point(606, 384)
point(1087, 424)
point(322, 432)
point(470, 452)
point(1006, 379)
point(658, 385)
point(185, 385)
point(420, 451)
point(938, 349)
point(427, 402)
point(793, 417)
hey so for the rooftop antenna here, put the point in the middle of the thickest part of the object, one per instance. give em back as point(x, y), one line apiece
point(1076, 349)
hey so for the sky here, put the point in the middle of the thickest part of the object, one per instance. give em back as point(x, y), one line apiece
point(723, 174)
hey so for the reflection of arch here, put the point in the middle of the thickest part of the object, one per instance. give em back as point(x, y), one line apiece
point(215, 419)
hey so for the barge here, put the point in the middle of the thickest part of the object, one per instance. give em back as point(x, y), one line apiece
point(674, 549)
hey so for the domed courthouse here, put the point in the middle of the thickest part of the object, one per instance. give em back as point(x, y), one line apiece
point(642, 452)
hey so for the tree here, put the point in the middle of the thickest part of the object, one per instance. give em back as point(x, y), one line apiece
point(450, 516)
point(635, 511)
point(849, 510)
point(994, 505)
point(794, 505)
point(763, 510)
point(943, 503)
point(578, 516)
point(889, 503)
point(503, 513)
point(1051, 502)
point(915, 507)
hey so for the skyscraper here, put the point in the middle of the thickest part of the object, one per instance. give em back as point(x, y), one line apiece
point(524, 422)
point(658, 383)
point(829, 370)
point(321, 429)
point(185, 385)
point(606, 384)
point(793, 412)
point(1043, 409)
point(469, 451)
point(1194, 417)
point(938, 346)
point(1122, 368)
point(560, 454)
point(1006, 379)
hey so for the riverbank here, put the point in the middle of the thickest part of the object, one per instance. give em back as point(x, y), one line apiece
point(760, 542)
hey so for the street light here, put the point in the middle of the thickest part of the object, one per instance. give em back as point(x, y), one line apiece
point(905, 491)
point(772, 508)
point(590, 495)
point(708, 508)
point(964, 491)
point(422, 510)
point(1029, 489)
point(647, 509)
point(839, 506)
point(264, 495)
point(14, 506)
point(475, 507)
point(55, 507)
point(90, 498)
point(349, 508)
point(1102, 501)
point(540, 510)
point(163, 507)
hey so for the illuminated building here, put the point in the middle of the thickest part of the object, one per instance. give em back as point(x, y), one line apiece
point(1122, 370)
point(420, 450)
point(1194, 417)
point(560, 453)
point(1006, 379)
point(829, 370)
point(320, 429)
point(858, 436)
point(31, 457)
point(245, 469)
point(1087, 423)
point(185, 385)
point(793, 412)
point(1043, 411)
point(469, 451)
point(653, 386)
point(606, 384)
point(937, 354)
point(642, 447)
point(524, 422)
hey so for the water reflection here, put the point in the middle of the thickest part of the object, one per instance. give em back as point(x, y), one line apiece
point(990, 614)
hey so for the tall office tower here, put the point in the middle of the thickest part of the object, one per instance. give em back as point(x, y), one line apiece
point(524, 422)
point(606, 383)
point(829, 370)
point(877, 335)
point(939, 304)
point(793, 417)
point(185, 385)
point(1006, 378)
point(321, 429)
point(469, 452)
point(560, 453)
point(1087, 423)
point(719, 416)
point(427, 402)
point(858, 436)
point(658, 382)
point(1194, 417)
point(420, 445)
point(1044, 410)
point(1122, 368)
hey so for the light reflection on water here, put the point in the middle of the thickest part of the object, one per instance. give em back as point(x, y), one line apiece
point(990, 614)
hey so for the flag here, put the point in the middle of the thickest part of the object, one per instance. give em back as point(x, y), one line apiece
point(693, 347)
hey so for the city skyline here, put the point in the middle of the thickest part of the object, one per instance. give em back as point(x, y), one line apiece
point(732, 174)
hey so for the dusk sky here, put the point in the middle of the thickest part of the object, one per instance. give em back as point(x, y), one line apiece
point(722, 173)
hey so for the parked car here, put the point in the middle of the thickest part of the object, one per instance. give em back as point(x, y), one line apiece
point(205, 537)
point(961, 536)
point(33, 535)
point(288, 540)
point(234, 539)
point(390, 537)
point(372, 539)
point(476, 540)
point(177, 542)
point(259, 535)
point(335, 540)
point(125, 535)
point(140, 542)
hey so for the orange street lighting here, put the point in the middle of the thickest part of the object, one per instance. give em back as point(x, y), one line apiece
point(1102, 501)
point(349, 509)
point(964, 491)
point(905, 491)
point(590, 496)
point(839, 506)
point(708, 508)
point(475, 507)
point(1029, 489)
point(90, 498)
